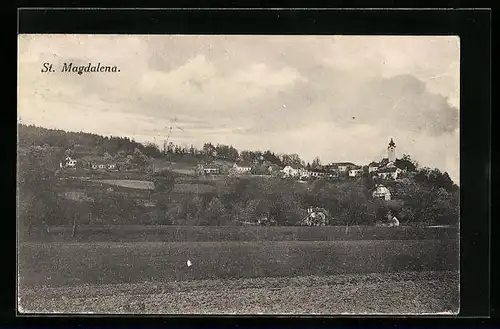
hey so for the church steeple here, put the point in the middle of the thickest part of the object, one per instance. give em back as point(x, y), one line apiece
point(391, 151)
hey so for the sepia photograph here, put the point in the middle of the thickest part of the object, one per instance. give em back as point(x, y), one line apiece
point(238, 174)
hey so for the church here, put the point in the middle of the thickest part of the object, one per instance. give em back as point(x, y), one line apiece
point(388, 168)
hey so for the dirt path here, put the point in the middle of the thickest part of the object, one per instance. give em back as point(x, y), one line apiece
point(388, 293)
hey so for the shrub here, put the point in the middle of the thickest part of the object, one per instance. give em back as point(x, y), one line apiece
point(214, 213)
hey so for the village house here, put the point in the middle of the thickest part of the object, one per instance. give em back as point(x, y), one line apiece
point(343, 167)
point(389, 173)
point(355, 172)
point(373, 166)
point(242, 167)
point(316, 173)
point(329, 168)
point(381, 192)
point(68, 163)
point(289, 171)
point(103, 166)
point(211, 170)
point(208, 169)
point(304, 173)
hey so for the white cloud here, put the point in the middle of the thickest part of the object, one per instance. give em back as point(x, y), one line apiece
point(198, 83)
point(231, 89)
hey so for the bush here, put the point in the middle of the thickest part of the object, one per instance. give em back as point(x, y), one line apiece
point(214, 213)
point(164, 180)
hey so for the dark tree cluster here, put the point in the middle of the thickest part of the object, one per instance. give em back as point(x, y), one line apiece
point(81, 142)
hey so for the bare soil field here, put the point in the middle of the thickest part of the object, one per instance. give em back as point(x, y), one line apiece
point(375, 293)
point(244, 270)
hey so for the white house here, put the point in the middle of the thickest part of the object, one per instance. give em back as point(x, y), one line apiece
point(303, 173)
point(317, 173)
point(343, 166)
point(355, 172)
point(97, 165)
point(211, 170)
point(373, 166)
point(389, 173)
point(381, 192)
point(242, 168)
point(68, 163)
point(290, 171)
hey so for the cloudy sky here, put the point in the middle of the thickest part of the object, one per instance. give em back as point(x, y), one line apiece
point(337, 97)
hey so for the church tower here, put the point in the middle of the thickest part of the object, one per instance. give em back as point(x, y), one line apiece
point(391, 151)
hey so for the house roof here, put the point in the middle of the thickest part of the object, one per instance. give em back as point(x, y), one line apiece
point(388, 170)
point(374, 164)
point(293, 167)
point(343, 164)
point(243, 164)
point(319, 170)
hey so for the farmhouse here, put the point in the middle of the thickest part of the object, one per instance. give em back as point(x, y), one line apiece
point(343, 166)
point(355, 172)
point(373, 166)
point(68, 163)
point(317, 173)
point(304, 174)
point(103, 166)
point(389, 173)
point(211, 170)
point(242, 167)
point(290, 171)
point(381, 192)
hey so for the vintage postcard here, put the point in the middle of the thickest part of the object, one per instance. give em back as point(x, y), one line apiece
point(238, 174)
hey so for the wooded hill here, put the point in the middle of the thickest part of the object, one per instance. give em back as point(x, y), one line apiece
point(427, 196)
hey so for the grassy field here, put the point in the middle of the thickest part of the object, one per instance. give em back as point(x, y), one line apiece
point(156, 233)
point(129, 183)
point(98, 174)
point(59, 264)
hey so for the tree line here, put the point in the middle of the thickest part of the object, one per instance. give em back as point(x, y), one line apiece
point(82, 143)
